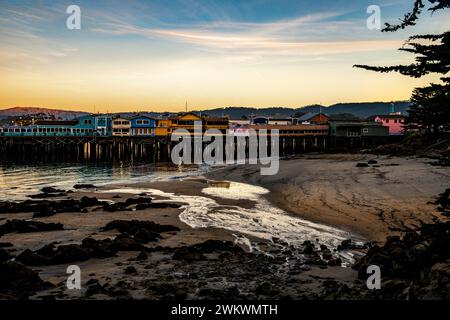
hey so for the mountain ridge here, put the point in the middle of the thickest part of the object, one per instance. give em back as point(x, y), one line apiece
point(358, 109)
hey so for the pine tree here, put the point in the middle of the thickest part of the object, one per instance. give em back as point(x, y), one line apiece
point(431, 104)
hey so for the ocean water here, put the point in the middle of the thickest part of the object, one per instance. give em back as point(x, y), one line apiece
point(17, 182)
point(263, 221)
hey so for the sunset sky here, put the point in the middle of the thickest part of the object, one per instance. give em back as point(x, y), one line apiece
point(155, 55)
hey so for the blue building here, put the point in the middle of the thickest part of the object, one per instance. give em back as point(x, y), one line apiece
point(85, 126)
point(103, 125)
point(53, 128)
point(143, 126)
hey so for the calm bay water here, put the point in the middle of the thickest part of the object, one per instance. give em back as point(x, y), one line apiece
point(17, 181)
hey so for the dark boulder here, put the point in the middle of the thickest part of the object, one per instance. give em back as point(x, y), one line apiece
point(188, 254)
point(362, 165)
point(30, 258)
point(22, 226)
point(146, 236)
point(84, 186)
point(4, 255)
point(130, 270)
point(125, 242)
point(15, 277)
point(133, 226)
point(132, 201)
point(51, 190)
point(211, 246)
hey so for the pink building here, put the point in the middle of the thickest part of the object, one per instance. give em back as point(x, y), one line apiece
point(394, 121)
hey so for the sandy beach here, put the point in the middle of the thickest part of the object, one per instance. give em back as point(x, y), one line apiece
point(262, 237)
point(386, 198)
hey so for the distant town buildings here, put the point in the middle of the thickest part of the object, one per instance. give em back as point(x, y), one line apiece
point(143, 125)
point(394, 121)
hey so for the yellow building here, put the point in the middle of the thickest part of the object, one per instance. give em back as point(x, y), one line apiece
point(163, 127)
point(187, 121)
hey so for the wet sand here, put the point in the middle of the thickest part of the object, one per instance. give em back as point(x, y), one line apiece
point(276, 270)
point(362, 203)
point(384, 199)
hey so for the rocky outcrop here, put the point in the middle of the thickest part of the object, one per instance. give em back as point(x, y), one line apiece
point(18, 281)
point(22, 226)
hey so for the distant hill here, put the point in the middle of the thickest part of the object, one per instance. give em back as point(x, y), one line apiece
point(361, 110)
point(25, 111)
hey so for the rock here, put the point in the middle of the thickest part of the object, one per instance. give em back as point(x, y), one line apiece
point(94, 289)
point(47, 195)
point(362, 165)
point(336, 262)
point(22, 226)
point(308, 249)
point(113, 207)
point(130, 270)
point(133, 226)
point(188, 254)
point(327, 256)
point(126, 243)
point(266, 289)
point(70, 253)
point(142, 256)
point(4, 255)
point(6, 245)
point(44, 214)
point(15, 277)
point(211, 246)
point(146, 236)
point(51, 190)
point(30, 258)
point(86, 202)
point(165, 205)
point(132, 201)
point(84, 186)
point(99, 249)
point(345, 245)
point(51, 255)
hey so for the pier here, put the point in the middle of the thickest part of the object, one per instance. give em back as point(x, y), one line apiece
point(150, 149)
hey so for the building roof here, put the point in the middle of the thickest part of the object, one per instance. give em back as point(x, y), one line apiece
point(308, 116)
point(388, 116)
point(56, 122)
point(356, 123)
point(142, 116)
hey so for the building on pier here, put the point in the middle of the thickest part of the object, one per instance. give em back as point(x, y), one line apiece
point(121, 127)
point(357, 129)
point(85, 126)
point(143, 126)
point(312, 118)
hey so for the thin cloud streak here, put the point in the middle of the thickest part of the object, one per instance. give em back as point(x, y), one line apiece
point(266, 38)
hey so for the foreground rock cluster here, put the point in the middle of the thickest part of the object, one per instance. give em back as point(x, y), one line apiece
point(416, 266)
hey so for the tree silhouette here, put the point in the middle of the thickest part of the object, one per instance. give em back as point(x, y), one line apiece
point(431, 104)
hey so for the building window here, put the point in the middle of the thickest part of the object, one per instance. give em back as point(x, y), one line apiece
point(365, 130)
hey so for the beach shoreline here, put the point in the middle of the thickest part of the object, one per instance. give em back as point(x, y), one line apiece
point(388, 197)
point(263, 237)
